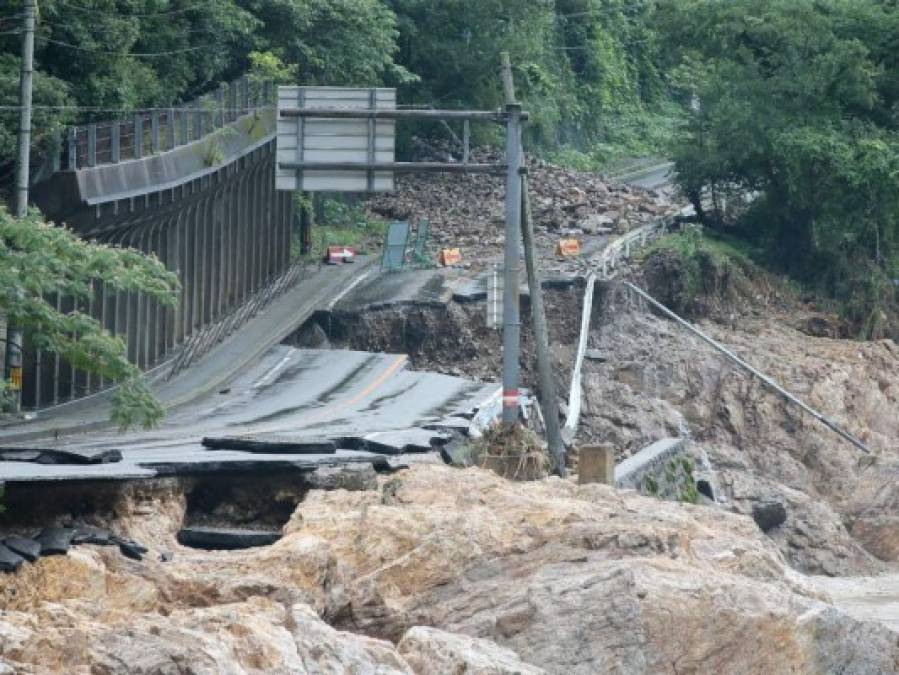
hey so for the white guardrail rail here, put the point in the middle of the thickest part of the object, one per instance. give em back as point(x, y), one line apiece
point(605, 264)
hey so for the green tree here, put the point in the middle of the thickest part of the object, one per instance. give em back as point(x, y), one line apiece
point(330, 42)
point(797, 106)
point(37, 260)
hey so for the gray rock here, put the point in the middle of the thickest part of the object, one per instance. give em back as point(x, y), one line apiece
point(430, 651)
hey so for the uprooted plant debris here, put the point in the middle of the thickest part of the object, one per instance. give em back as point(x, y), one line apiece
point(513, 452)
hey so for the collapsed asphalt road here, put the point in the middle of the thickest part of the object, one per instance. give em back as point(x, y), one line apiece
point(294, 409)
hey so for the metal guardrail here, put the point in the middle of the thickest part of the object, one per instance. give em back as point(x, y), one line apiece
point(151, 131)
point(621, 248)
point(199, 344)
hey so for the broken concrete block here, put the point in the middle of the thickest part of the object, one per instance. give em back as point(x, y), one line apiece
point(55, 540)
point(23, 546)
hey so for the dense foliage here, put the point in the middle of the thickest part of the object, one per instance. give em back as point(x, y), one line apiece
point(793, 104)
point(38, 260)
point(796, 104)
point(584, 68)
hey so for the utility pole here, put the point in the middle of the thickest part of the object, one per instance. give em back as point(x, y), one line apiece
point(546, 386)
point(24, 155)
point(14, 334)
point(511, 321)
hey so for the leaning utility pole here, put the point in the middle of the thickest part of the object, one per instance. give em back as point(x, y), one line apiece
point(14, 334)
point(511, 321)
point(546, 386)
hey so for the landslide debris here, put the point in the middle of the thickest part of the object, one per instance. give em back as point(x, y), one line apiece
point(768, 457)
point(441, 567)
point(467, 211)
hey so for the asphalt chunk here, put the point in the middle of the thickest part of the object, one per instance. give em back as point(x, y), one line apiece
point(226, 539)
point(55, 540)
point(23, 546)
point(10, 561)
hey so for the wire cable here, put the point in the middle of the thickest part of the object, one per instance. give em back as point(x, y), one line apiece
point(91, 10)
point(135, 54)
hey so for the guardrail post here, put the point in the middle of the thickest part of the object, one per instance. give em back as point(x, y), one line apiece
point(154, 132)
point(198, 118)
point(73, 148)
point(55, 157)
point(92, 144)
point(218, 117)
point(232, 102)
point(115, 143)
point(184, 117)
point(138, 136)
point(170, 129)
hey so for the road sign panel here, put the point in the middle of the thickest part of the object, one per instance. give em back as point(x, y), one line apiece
point(315, 139)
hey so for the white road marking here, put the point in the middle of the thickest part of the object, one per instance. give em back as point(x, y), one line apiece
point(346, 290)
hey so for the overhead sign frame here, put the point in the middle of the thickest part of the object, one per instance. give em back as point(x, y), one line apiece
point(335, 140)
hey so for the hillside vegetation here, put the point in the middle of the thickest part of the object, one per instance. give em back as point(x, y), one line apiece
point(781, 114)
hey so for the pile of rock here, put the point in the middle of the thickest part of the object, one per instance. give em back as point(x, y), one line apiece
point(467, 211)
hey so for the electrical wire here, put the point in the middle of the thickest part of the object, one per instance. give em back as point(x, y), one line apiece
point(173, 12)
point(87, 108)
point(135, 54)
point(111, 31)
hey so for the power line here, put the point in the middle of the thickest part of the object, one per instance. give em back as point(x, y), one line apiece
point(117, 31)
point(91, 10)
point(136, 54)
point(178, 108)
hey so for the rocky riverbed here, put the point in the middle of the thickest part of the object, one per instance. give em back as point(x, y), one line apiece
point(436, 570)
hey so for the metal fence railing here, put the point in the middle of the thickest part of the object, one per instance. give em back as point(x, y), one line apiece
point(149, 132)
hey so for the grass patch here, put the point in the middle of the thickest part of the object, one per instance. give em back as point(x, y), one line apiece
point(344, 225)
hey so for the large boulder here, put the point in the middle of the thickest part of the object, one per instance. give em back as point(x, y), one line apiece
point(430, 651)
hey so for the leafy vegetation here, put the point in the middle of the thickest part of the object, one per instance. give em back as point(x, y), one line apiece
point(585, 69)
point(341, 224)
point(38, 260)
point(796, 103)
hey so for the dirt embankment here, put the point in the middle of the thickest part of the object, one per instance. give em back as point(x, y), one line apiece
point(467, 212)
point(659, 380)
